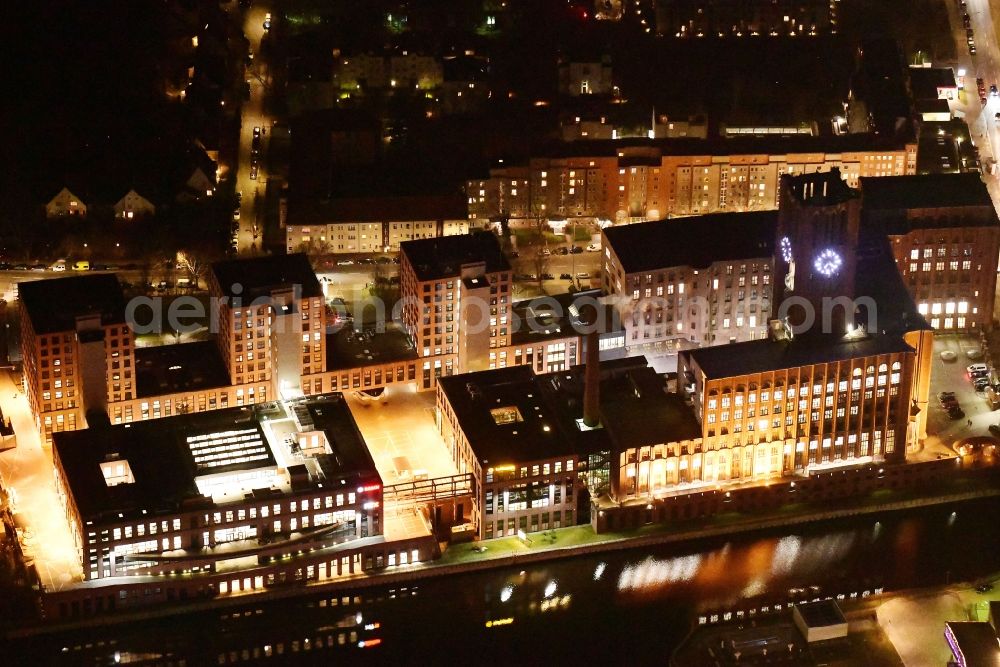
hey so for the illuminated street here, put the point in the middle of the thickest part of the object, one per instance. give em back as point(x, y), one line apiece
point(27, 470)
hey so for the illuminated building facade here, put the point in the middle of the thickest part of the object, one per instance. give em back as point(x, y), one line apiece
point(372, 225)
point(636, 180)
point(945, 238)
point(699, 281)
point(225, 496)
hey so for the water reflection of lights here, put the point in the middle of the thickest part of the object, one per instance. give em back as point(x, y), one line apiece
point(877, 530)
point(652, 573)
point(555, 602)
point(550, 588)
point(951, 518)
point(507, 591)
point(599, 570)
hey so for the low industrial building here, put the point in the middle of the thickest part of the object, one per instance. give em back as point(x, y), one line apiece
point(820, 621)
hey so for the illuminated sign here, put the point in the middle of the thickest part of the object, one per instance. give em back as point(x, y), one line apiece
point(369, 488)
point(498, 622)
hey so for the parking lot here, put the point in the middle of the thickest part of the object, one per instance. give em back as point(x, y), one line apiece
point(943, 431)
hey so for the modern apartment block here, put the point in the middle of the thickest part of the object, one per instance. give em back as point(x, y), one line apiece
point(78, 351)
point(457, 309)
point(635, 180)
point(272, 326)
point(372, 225)
point(704, 280)
point(945, 238)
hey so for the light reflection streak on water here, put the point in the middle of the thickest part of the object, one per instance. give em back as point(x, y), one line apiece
point(750, 569)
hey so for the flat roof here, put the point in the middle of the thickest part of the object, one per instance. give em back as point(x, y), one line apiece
point(167, 456)
point(759, 356)
point(698, 241)
point(443, 257)
point(977, 643)
point(531, 435)
point(347, 348)
point(53, 305)
point(821, 613)
point(925, 191)
point(167, 369)
point(381, 209)
point(260, 276)
point(924, 81)
point(634, 408)
point(559, 315)
point(638, 411)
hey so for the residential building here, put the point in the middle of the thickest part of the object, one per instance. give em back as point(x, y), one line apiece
point(77, 348)
point(65, 204)
point(945, 238)
point(736, 18)
point(586, 77)
point(703, 280)
point(456, 301)
point(637, 180)
point(457, 309)
point(271, 322)
point(133, 205)
point(402, 70)
point(933, 83)
point(374, 224)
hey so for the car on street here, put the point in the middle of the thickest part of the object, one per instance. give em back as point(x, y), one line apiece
point(236, 214)
point(967, 21)
point(593, 247)
point(984, 587)
point(955, 412)
point(948, 355)
point(945, 395)
point(576, 250)
point(565, 276)
point(267, 21)
point(981, 383)
point(548, 276)
point(256, 131)
point(253, 171)
point(544, 252)
point(972, 369)
point(583, 275)
point(514, 254)
point(345, 262)
point(562, 250)
point(972, 49)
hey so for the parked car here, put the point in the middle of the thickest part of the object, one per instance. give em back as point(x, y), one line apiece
point(583, 275)
point(548, 276)
point(956, 413)
point(593, 247)
point(565, 276)
point(977, 369)
point(981, 383)
point(984, 587)
point(945, 395)
point(345, 262)
point(575, 250)
point(562, 250)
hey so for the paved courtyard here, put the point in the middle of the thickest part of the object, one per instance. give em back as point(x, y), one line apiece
point(27, 471)
point(402, 436)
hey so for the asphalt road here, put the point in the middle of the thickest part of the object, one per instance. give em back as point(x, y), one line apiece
point(253, 115)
